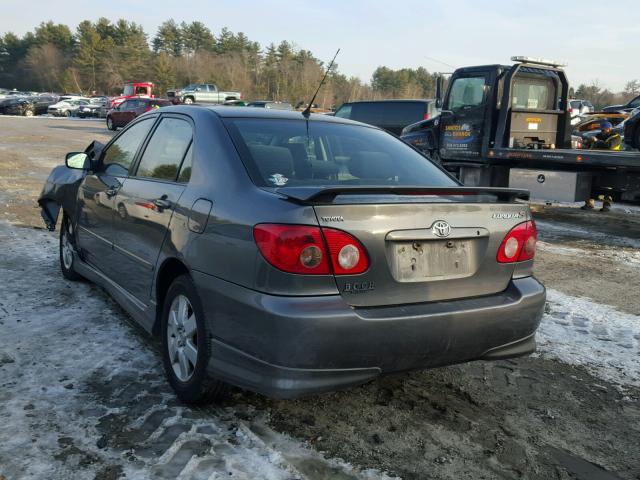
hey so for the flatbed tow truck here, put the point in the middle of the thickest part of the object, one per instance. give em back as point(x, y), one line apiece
point(509, 126)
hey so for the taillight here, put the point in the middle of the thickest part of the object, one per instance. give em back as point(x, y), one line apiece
point(425, 116)
point(310, 250)
point(519, 244)
point(348, 256)
point(148, 108)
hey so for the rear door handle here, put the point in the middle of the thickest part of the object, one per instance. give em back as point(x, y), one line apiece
point(161, 203)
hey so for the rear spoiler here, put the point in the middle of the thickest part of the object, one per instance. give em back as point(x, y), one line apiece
point(320, 194)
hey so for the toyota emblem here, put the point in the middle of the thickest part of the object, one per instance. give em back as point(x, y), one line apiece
point(441, 229)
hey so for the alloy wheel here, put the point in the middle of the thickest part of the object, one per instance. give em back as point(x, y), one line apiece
point(67, 248)
point(182, 338)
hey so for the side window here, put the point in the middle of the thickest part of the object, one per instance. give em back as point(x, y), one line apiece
point(166, 149)
point(124, 105)
point(212, 88)
point(635, 102)
point(466, 92)
point(185, 169)
point(118, 157)
point(344, 112)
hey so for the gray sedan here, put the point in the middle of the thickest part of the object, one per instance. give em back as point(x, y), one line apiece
point(292, 255)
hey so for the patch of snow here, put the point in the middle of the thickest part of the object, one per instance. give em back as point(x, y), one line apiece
point(579, 331)
point(628, 256)
point(563, 230)
point(82, 390)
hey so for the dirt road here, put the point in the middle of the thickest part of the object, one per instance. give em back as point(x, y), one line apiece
point(82, 393)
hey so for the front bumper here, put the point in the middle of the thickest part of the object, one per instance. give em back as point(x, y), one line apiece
point(289, 346)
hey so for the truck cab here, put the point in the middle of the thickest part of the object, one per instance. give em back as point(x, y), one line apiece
point(523, 106)
point(133, 90)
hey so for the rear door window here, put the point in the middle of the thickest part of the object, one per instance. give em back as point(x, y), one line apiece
point(166, 150)
point(119, 155)
point(344, 111)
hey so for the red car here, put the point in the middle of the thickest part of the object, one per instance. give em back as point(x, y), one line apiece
point(130, 109)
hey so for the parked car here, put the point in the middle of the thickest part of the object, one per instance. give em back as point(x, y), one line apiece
point(627, 107)
point(67, 107)
point(270, 104)
point(392, 115)
point(27, 106)
point(94, 108)
point(291, 255)
point(130, 109)
point(579, 109)
point(631, 129)
point(201, 93)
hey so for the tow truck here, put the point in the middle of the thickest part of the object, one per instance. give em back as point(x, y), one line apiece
point(509, 126)
point(133, 90)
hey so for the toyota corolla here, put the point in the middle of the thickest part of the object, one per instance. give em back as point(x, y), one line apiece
point(292, 255)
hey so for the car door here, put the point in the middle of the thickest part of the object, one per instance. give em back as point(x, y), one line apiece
point(146, 201)
point(117, 114)
point(462, 117)
point(97, 193)
point(130, 112)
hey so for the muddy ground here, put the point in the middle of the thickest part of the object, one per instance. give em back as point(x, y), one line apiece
point(533, 418)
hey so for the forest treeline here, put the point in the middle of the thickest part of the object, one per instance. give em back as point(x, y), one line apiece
point(100, 56)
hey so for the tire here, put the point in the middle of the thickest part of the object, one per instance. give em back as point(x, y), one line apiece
point(67, 113)
point(28, 112)
point(183, 328)
point(636, 138)
point(122, 211)
point(67, 247)
point(188, 101)
point(110, 124)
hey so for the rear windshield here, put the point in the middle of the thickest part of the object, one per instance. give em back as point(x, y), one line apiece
point(281, 153)
point(398, 114)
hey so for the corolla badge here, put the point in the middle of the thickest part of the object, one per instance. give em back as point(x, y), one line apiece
point(441, 229)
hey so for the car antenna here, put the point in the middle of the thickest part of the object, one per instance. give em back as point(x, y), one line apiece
point(307, 111)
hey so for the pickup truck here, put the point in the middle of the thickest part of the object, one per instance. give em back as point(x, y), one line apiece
point(201, 93)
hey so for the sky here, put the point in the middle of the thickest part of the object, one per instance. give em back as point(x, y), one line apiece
point(600, 41)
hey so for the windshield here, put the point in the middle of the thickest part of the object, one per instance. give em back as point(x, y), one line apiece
point(294, 152)
point(193, 86)
point(128, 90)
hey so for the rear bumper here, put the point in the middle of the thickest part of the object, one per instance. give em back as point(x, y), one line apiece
point(289, 346)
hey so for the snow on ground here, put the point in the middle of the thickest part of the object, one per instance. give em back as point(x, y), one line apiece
point(600, 239)
point(579, 331)
point(82, 393)
point(627, 256)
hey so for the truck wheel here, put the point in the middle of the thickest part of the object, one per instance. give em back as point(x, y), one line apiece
point(186, 344)
point(67, 247)
point(188, 101)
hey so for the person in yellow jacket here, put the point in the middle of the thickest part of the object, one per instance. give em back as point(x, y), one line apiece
point(607, 139)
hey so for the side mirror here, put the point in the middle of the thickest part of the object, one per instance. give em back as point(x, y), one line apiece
point(77, 160)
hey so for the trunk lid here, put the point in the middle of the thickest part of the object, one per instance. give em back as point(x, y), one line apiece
point(424, 245)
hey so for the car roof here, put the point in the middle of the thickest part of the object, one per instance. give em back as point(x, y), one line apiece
point(244, 112)
point(392, 100)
